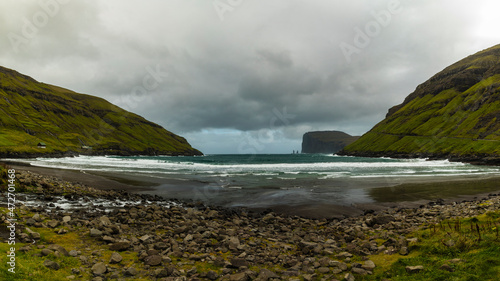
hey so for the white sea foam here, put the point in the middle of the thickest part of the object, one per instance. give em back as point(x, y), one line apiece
point(333, 167)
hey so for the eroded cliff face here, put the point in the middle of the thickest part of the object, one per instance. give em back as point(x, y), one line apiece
point(454, 115)
point(70, 123)
point(325, 141)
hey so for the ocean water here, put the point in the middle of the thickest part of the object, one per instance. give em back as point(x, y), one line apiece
point(267, 180)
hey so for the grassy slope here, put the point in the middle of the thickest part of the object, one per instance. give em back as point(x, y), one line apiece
point(33, 112)
point(455, 113)
point(469, 246)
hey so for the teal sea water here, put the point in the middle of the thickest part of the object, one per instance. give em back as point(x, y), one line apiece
point(267, 180)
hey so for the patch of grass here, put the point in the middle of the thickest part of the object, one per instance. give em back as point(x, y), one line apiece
point(470, 247)
point(30, 267)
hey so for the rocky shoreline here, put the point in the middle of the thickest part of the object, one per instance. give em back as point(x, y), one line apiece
point(143, 237)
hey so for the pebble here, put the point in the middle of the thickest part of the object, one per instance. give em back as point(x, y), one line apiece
point(99, 268)
point(51, 264)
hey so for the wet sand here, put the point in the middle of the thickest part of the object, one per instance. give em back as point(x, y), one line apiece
point(406, 195)
point(97, 180)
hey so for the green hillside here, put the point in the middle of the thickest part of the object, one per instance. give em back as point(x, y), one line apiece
point(71, 123)
point(453, 115)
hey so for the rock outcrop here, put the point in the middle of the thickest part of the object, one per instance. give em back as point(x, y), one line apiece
point(325, 141)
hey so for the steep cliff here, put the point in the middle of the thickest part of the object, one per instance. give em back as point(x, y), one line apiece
point(38, 119)
point(325, 141)
point(455, 115)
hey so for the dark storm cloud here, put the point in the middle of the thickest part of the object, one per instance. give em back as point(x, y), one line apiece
point(220, 72)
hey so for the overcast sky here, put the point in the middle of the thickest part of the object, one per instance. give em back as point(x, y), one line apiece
point(241, 76)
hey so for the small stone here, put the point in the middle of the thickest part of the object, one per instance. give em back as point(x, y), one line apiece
point(188, 238)
point(71, 277)
point(95, 232)
point(144, 238)
point(131, 271)
point(380, 220)
point(108, 239)
point(336, 270)
point(266, 274)
point(37, 217)
point(51, 264)
point(341, 265)
point(404, 251)
point(238, 262)
point(46, 252)
point(349, 277)
point(59, 249)
point(53, 223)
point(84, 259)
point(359, 271)
point(369, 265)
point(414, 269)
point(153, 260)
point(99, 268)
point(233, 243)
point(66, 219)
point(151, 252)
point(35, 235)
point(161, 272)
point(119, 246)
point(344, 255)
point(104, 220)
point(115, 258)
point(239, 277)
point(212, 275)
point(447, 268)
point(25, 249)
point(323, 270)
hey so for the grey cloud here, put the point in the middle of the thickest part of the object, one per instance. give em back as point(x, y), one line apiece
point(230, 75)
point(281, 59)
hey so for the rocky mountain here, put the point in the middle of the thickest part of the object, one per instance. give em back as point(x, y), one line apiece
point(38, 119)
point(325, 141)
point(454, 115)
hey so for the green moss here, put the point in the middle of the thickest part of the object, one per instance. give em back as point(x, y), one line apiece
point(34, 112)
point(455, 243)
point(448, 122)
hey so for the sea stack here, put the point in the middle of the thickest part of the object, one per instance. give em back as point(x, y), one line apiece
point(325, 141)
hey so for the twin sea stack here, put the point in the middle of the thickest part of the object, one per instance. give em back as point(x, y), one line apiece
point(38, 119)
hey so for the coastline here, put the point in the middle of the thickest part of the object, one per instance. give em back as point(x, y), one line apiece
point(390, 196)
point(96, 180)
